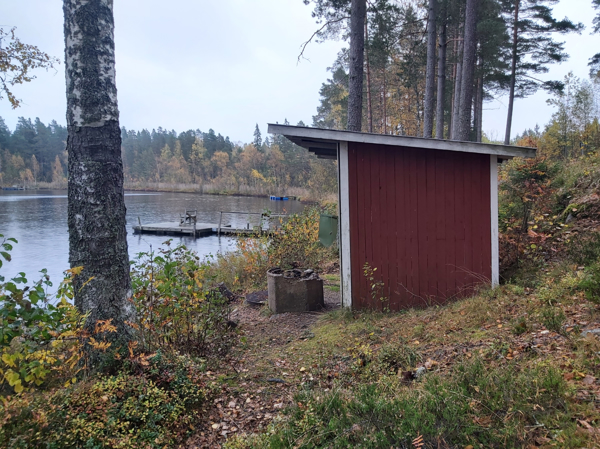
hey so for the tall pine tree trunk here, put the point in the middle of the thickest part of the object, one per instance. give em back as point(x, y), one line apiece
point(468, 69)
point(357, 46)
point(513, 74)
point(479, 104)
point(368, 67)
point(441, 87)
point(384, 100)
point(430, 73)
point(457, 83)
point(96, 205)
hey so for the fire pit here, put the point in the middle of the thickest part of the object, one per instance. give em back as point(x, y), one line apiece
point(294, 290)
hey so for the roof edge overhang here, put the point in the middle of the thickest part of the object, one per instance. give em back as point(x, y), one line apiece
point(324, 142)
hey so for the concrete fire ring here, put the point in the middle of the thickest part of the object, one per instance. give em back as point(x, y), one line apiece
point(289, 292)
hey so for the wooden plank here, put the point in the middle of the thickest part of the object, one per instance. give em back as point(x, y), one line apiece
point(494, 220)
point(470, 197)
point(355, 212)
point(422, 230)
point(402, 236)
point(440, 223)
point(173, 226)
point(431, 237)
point(486, 235)
point(363, 181)
point(475, 219)
point(460, 209)
point(345, 229)
point(412, 219)
point(397, 246)
point(374, 231)
point(481, 213)
point(389, 224)
point(450, 244)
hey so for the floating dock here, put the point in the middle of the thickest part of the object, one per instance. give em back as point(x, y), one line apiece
point(173, 228)
point(204, 229)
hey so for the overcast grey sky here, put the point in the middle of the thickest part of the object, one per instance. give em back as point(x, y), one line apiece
point(227, 64)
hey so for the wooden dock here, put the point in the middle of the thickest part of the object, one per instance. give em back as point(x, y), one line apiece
point(204, 229)
point(173, 228)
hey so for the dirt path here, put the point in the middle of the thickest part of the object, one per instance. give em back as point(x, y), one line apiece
point(260, 383)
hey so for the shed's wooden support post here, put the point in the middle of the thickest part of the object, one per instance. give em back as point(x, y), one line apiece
point(344, 224)
point(219, 228)
point(494, 211)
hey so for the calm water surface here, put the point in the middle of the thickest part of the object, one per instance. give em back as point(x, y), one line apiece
point(38, 220)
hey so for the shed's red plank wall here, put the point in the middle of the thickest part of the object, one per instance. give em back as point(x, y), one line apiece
point(422, 218)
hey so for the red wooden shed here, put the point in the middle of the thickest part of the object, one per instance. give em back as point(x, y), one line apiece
point(423, 212)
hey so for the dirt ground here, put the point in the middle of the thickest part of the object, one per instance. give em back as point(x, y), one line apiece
point(257, 386)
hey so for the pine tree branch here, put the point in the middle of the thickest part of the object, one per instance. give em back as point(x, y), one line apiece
point(316, 33)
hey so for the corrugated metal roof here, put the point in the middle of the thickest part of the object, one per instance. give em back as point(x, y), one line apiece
point(324, 142)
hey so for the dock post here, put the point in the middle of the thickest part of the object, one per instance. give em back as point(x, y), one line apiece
point(220, 221)
point(194, 228)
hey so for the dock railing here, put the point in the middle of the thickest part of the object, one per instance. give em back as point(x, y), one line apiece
point(262, 215)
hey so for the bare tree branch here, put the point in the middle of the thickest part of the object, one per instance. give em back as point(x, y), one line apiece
point(316, 33)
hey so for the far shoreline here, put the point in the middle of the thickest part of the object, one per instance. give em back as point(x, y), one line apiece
point(295, 193)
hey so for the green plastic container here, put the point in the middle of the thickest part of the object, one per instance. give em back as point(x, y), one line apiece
point(328, 229)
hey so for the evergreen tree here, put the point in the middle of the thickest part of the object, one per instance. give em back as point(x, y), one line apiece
point(358, 13)
point(595, 60)
point(4, 134)
point(258, 143)
point(332, 112)
point(533, 48)
point(468, 71)
point(430, 70)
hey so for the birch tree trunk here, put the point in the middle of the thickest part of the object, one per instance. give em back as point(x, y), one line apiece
point(357, 47)
point(96, 206)
point(441, 86)
point(430, 74)
point(468, 69)
point(513, 75)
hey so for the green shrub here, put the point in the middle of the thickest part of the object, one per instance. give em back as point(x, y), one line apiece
point(177, 304)
point(584, 249)
point(520, 326)
point(40, 335)
point(296, 242)
point(392, 358)
point(553, 318)
point(153, 409)
point(590, 283)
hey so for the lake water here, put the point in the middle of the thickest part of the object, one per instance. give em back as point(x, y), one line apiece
point(38, 220)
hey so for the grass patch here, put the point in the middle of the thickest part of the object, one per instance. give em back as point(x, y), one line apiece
point(472, 405)
point(331, 282)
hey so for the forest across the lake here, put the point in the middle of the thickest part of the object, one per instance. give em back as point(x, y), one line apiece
point(34, 155)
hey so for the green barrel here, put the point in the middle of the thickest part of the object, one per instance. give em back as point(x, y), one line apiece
point(328, 229)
